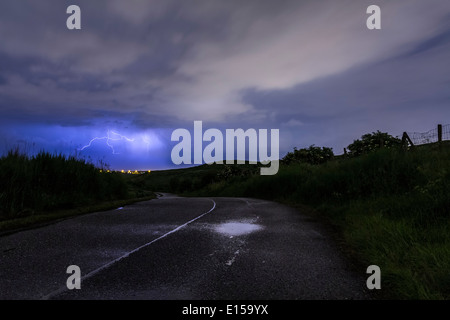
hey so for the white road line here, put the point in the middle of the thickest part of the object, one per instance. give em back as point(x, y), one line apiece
point(90, 274)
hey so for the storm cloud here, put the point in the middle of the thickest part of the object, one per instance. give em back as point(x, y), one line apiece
point(310, 68)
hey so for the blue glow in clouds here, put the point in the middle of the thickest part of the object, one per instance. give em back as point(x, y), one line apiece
point(120, 148)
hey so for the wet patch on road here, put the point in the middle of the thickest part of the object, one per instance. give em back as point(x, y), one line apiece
point(237, 228)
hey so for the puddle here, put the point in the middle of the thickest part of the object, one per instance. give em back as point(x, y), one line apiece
point(237, 228)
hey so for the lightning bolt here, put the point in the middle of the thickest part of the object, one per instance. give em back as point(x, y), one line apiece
point(110, 136)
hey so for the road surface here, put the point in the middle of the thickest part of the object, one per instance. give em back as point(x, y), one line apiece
point(181, 248)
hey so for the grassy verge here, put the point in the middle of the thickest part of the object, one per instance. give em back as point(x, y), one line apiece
point(45, 187)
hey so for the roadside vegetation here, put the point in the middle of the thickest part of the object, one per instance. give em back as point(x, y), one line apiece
point(44, 187)
point(390, 205)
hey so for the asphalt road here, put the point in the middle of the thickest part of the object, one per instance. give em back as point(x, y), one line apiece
point(181, 248)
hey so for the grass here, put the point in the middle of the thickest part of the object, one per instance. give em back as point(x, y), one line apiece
point(48, 187)
point(390, 207)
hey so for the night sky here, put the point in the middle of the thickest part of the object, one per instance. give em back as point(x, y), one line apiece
point(137, 70)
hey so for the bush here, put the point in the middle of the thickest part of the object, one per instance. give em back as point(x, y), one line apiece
point(373, 141)
point(311, 155)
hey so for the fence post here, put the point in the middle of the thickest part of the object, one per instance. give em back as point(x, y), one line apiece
point(439, 133)
point(405, 140)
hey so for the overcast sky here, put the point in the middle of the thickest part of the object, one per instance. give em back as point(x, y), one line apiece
point(140, 69)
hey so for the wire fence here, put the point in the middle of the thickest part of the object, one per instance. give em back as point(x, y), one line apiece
point(431, 136)
point(446, 132)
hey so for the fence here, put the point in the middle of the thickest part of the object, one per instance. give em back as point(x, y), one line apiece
point(438, 134)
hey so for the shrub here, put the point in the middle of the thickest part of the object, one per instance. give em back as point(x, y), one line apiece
point(311, 155)
point(373, 141)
